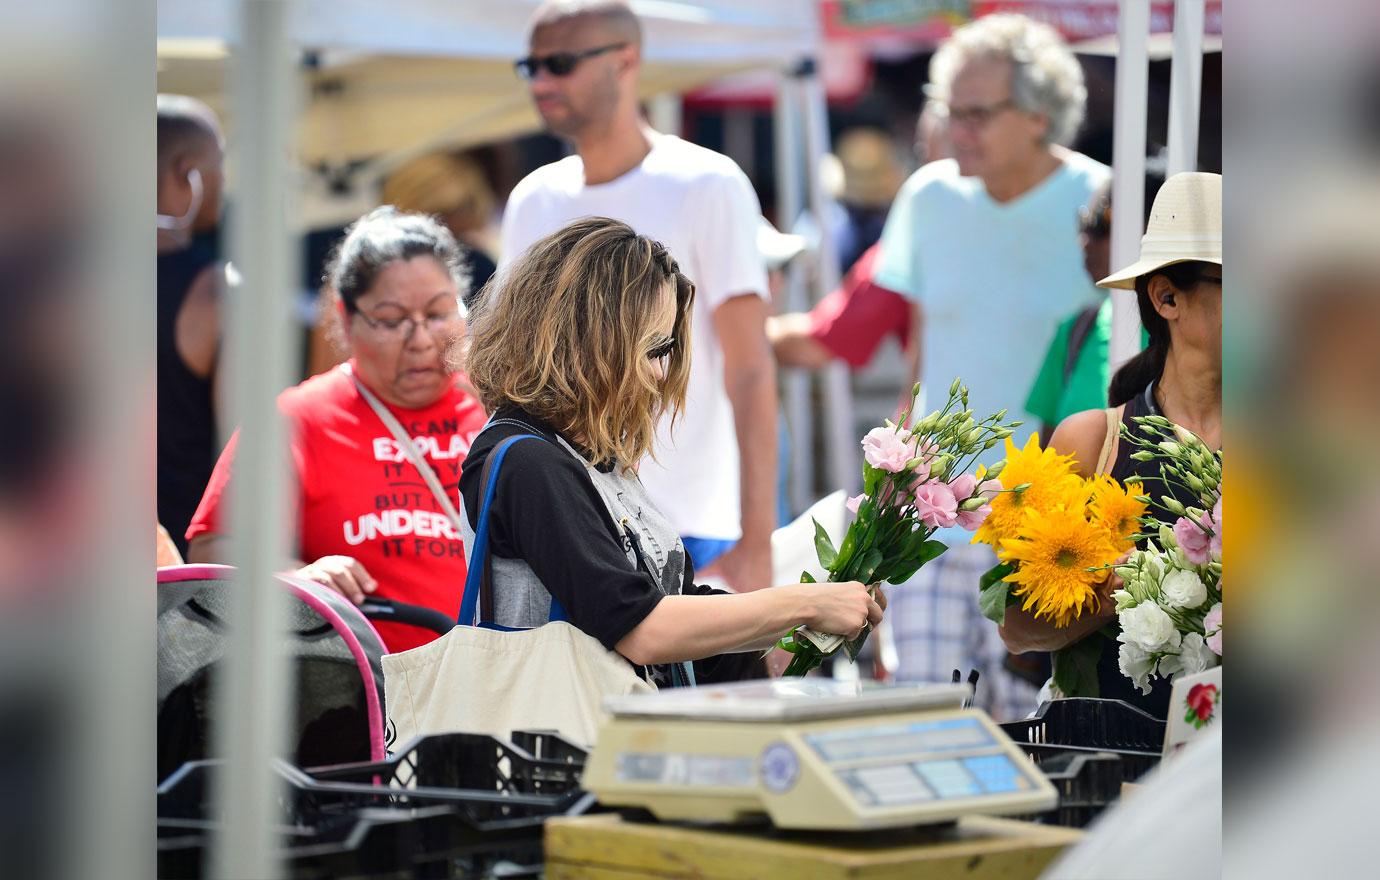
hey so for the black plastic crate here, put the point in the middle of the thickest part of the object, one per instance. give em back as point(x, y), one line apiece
point(450, 805)
point(1088, 747)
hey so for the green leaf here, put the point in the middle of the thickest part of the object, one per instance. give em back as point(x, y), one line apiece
point(906, 567)
point(845, 554)
point(1075, 667)
point(994, 592)
point(824, 547)
point(807, 578)
point(929, 550)
point(869, 565)
point(788, 644)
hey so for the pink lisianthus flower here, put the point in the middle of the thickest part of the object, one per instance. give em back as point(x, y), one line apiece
point(887, 450)
point(854, 503)
point(1193, 541)
point(1212, 625)
point(935, 504)
point(963, 487)
point(972, 520)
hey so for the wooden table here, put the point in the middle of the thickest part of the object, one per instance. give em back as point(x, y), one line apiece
point(975, 848)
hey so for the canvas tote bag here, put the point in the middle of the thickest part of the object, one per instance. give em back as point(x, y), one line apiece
point(483, 678)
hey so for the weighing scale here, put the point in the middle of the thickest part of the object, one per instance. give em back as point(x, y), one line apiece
point(811, 754)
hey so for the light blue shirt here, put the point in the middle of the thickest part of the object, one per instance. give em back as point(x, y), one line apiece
point(993, 279)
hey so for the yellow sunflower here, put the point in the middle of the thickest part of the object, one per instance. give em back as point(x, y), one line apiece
point(1053, 557)
point(1052, 483)
point(1115, 507)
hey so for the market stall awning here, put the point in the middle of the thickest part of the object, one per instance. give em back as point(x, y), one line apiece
point(408, 74)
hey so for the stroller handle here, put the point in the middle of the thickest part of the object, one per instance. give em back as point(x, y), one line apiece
point(412, 615)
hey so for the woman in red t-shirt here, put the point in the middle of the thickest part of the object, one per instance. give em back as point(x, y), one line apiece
point(368, 522)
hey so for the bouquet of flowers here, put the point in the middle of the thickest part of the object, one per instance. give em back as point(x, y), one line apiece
point(1170, 607)
point(1056, 536)
point(915, 480)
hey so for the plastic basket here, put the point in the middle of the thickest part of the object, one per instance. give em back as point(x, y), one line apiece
point(451, 805)
point(1088, 748)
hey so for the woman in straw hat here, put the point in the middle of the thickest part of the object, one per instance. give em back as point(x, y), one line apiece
point(1178, 285)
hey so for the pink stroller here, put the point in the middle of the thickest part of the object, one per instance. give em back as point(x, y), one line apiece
point(338, 694)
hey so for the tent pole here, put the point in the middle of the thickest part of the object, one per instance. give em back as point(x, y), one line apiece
point(1186, 85)
point(839, 442)
point(790, 201)
point(252, 698)
point(1128, 168)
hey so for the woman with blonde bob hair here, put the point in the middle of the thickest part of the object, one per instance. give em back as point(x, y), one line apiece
point(584, 342)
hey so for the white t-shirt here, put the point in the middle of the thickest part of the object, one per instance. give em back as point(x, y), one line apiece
point(702, 207)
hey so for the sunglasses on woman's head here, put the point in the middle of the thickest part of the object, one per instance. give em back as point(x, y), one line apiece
point(662, 350)
point(559, 63)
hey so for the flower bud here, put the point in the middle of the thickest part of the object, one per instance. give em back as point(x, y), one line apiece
point(915, 391)
point(1167, 539)
point(994, 471)
point(1172, 505)
point(972, 438)
point(971, 504)
point(1143, 455)
point(1021, 488)
point(954, 386)
point(1170, 447)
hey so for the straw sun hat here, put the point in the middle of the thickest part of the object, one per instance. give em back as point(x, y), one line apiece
point(1185, 226)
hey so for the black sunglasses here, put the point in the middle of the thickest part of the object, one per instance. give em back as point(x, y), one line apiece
point(662, 350)
point(560, 63)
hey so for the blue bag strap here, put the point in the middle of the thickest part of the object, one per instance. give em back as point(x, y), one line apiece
point(469, 602)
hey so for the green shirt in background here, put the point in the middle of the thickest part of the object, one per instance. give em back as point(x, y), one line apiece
point(1052, 399)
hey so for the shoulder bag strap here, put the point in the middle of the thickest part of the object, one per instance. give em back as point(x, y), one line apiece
point(1113, 422)
point(1078, 337)
point(478, 572)
point(410, 449)
point(477, 604)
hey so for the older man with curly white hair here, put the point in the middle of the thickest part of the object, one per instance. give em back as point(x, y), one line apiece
point(985, 244)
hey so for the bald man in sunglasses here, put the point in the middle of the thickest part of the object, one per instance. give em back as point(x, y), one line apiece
point(714, 476)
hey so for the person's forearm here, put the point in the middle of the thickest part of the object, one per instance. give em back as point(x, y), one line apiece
point(693, 627)
point(793, 345)
point(1023, 631)
point(752, 392)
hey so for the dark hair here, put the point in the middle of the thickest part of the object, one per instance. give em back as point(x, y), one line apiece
point(1147, 366)
point(383, 236)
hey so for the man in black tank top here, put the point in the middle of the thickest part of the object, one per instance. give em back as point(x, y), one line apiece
point(190, 160)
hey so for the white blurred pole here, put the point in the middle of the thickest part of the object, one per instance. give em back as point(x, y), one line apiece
point(665, 114)
point(1128, 168)
point(1185, 85)
point(251, 701)
point(840, 444)
point(790, 201)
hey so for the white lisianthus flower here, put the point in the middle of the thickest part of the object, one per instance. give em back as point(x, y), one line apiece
point(1136, 665)
point(1194, 657)
point(1183, 589)
point(1148, 627)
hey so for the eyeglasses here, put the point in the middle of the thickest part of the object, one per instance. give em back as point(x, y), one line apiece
point(1094, 224)
point(403, 328)
point(977, 115)
point(559, 63)
point(662, 350)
